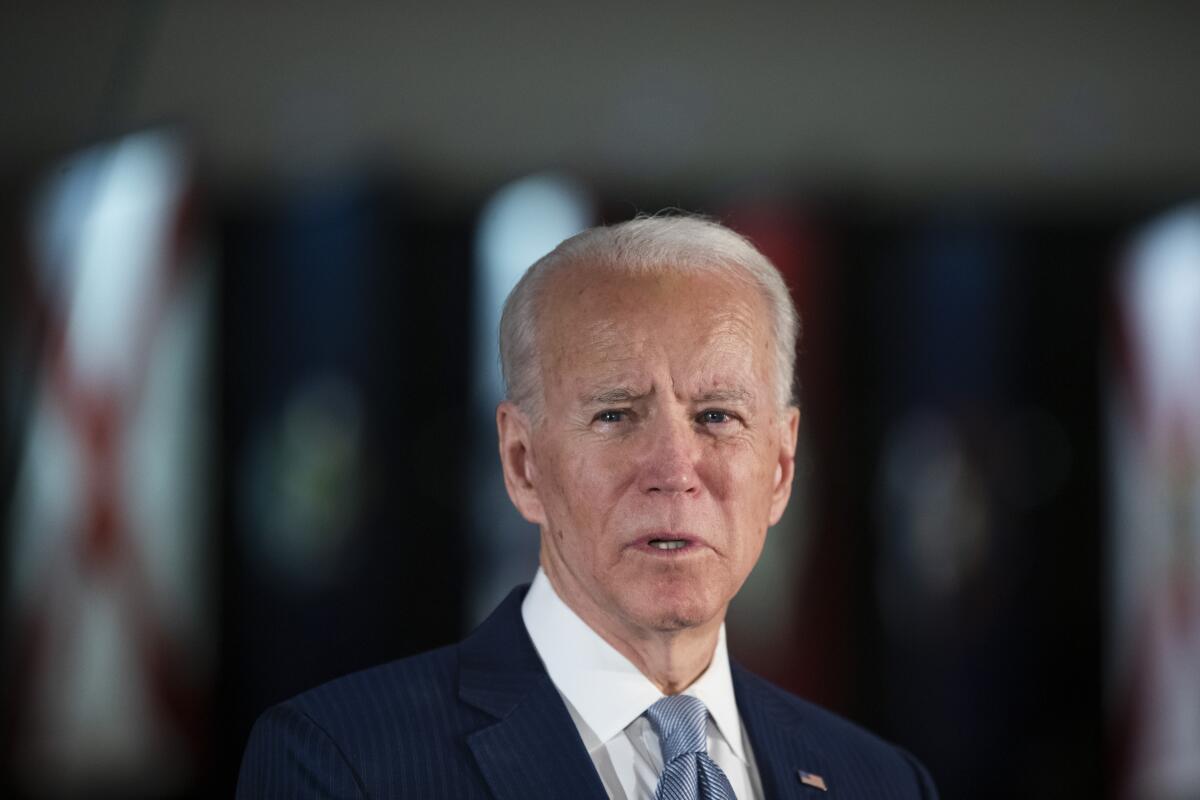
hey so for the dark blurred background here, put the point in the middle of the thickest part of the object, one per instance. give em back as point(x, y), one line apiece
point(253, 259)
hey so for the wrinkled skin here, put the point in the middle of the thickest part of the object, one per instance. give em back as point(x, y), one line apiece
point(659, 420)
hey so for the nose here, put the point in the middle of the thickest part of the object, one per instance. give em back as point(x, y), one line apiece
point(669, 467)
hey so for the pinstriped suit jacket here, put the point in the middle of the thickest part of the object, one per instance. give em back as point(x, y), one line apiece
point(482, 719)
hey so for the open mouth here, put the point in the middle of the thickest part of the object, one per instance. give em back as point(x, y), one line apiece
point(668, 544)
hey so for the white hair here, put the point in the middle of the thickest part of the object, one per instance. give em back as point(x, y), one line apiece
point(644, 246)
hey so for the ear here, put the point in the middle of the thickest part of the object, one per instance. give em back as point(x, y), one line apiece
point(516, 459)
point(785, 466)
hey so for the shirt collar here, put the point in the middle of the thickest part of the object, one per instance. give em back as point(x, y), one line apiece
point(604, 687)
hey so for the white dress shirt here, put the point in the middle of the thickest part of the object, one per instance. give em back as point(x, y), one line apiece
point(607, 696)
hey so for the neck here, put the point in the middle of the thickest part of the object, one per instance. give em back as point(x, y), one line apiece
point(670, 659)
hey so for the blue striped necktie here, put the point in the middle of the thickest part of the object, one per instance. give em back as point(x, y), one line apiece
point(681, 722)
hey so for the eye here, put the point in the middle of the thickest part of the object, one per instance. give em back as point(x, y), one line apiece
point(610, 416)
point(714, 416)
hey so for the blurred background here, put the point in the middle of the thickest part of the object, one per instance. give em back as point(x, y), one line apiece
point(253, 260)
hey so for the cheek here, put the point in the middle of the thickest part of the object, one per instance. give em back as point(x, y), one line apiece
point(732, 471)
point(599, 481)
point(742, 482)
point(584, 488)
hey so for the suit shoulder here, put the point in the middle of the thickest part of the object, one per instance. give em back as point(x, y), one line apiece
point(814, 715)
point(408, 685)
point(842, 740)
point(372, 733)
point(379, 729)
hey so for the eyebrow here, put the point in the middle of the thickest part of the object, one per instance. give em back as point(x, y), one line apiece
point(620, 394)
point(623, 394)
point(726, 396)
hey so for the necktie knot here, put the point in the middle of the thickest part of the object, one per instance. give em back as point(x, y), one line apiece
point(681, 722)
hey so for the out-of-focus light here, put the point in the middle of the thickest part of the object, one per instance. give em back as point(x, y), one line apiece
point(102, 244)
point(302, 484)
point(522, 222)
point(109, 562)
point(1162, 287)
point(1154, 566)
point(934, 499)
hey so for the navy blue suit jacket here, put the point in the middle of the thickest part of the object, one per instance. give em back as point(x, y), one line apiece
point(482, 719)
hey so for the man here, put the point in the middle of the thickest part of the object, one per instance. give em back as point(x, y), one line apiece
point(650, 434)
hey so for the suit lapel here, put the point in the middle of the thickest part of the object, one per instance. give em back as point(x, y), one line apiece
point(783, 748)
point(533, 749)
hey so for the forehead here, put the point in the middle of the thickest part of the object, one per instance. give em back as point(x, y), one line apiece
point(603, 325)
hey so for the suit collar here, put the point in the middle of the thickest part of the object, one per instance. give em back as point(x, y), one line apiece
point(783, 745)
point(603, 687)
point(533, 749)
point(498, 666)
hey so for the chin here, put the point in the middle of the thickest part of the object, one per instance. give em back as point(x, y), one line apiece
point(676, 622)
point(677, 611)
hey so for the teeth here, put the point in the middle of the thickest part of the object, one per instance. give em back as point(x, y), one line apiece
point(667, 544)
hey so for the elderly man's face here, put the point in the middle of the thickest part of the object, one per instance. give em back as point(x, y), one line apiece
point(662, 455)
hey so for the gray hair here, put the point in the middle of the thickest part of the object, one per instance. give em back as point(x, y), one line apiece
point(646, 246)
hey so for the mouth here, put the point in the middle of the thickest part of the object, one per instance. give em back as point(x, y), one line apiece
point(667, 544)
point(670, 543)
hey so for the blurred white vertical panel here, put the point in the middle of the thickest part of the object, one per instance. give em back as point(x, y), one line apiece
point(1154, 455)
point(522, 222)
point(110, 561)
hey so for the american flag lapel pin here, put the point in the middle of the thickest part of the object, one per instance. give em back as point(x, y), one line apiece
point(812, 779)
